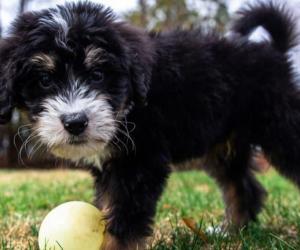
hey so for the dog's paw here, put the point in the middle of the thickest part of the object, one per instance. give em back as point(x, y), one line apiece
point(112, 243)
point(213, 230)
point(220, 230)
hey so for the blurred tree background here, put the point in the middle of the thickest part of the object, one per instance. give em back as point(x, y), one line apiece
point(167, 14)
point(151, 14)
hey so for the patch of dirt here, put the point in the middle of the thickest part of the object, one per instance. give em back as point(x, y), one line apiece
point(19, 233)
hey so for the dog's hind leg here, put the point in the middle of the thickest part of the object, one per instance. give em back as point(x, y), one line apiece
point(242, 193)
point(281, 146)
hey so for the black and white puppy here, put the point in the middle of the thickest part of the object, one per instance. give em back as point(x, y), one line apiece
point(128, 103)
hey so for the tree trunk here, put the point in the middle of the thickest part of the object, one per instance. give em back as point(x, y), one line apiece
point(0, 20)
point(23, 4)
point(144, 12)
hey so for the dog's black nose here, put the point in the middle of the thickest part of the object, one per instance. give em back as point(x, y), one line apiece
point(75, 123)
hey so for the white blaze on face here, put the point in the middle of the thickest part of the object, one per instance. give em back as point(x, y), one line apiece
point(101, 127)
point(61, 26)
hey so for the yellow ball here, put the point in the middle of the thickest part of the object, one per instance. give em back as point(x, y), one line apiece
point(72, 226)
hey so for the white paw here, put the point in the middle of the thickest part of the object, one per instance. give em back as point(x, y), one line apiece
point(216, 230)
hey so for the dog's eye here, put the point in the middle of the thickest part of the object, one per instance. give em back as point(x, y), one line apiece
point(45, 81)
point(97, 76)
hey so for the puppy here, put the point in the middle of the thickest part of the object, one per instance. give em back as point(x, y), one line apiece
point(127, 103)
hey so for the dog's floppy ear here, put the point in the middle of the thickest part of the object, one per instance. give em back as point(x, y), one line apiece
point(7, 103)
point(141, 61)
point(10, 55)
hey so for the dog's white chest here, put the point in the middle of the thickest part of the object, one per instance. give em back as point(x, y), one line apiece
point(94, 160)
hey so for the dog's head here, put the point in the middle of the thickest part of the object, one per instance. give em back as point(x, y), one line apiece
point(75, 70)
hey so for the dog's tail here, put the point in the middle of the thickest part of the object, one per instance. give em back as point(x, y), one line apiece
point(275, 19)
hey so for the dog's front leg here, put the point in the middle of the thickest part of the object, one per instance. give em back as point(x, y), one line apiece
point(128, 191)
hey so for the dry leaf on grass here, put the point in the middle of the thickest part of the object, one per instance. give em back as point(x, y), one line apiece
point(192, 225)
point(167, 206)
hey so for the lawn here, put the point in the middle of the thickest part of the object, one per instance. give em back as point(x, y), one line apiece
point(190, 204)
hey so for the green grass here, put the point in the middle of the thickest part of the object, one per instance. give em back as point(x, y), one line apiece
point(27, 196)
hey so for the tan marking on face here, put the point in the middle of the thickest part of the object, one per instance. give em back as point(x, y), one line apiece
point(93, 56)
point(45, 61)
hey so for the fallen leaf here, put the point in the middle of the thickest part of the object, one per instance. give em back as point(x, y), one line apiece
point(167, 206)
point(192, 225)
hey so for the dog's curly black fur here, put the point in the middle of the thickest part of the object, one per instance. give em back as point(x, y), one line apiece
point(188, 93)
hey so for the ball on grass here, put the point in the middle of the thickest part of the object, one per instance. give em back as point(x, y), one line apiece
point(72, 226)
